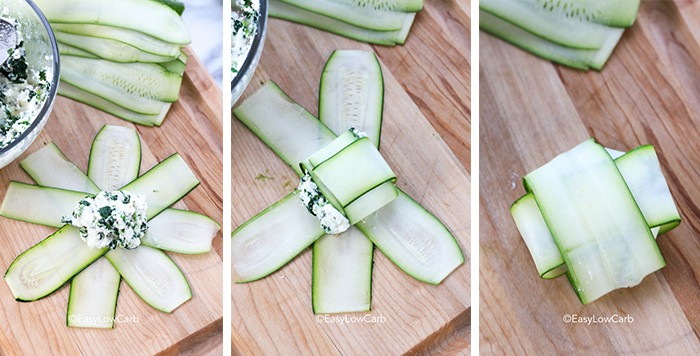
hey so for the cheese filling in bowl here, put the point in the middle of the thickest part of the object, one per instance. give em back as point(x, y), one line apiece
point(28, 79)
point(248, 28)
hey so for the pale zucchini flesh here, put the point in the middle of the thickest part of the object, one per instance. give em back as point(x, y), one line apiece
point(282, 10)
point(297, 139)
point(39, 205)
point(572, 57)
point(378, 20)
point(68, 50)
point(110, 50)
point(69, 91)
point(50, 168)
point(48, 265)
point(148, 17)
point(268, 241)
point(92, 301)
point(135, 39)
point(115, 157)
point(153, 276)
point(414, 239)
point(531, 17)
point(138, 87)
point(342, 273)
point(181, 231)
point(352, 93)
point(164, 184)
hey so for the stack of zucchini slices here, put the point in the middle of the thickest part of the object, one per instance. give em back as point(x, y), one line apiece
point(123, 57)
point(385, 22)
point(114, 164)
point(593, 214)
point(361, 185)
point(577, 33)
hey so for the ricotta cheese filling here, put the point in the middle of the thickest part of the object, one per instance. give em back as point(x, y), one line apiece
point(244, 26)
point(333, 221)
point(23, 91)
point(111, 219)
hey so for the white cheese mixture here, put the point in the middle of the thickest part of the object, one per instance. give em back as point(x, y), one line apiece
point(244, 26)
point(111, 219)
point(23, 91)
point(332, 221)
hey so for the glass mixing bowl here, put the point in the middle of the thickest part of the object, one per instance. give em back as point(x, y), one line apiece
point(42, 52)
point(243, 77)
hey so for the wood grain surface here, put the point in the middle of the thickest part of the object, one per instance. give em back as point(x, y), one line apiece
point(531, 110)
point(194, 129)
point(426, 124)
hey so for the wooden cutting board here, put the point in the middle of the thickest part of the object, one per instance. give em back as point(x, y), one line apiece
point(425, 139)
point(194, 129)
point(532, 110)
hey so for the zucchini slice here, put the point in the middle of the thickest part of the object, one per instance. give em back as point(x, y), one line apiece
point(69, 91)
point(351, 95)
point(152, 18)
point(153, 276)
point(292, 13)
point(139, 87)
point(368, 18)
point(39, 205)
point(50, 168)
point(268, 241)
point(92, 302)
point(48, 265)
point(414, 239)
point(342, 273)
point(135, 39)
point(536, 19)
point(572, 57)
point(537, 237)
point(181, 231)
point(111, 50)
point(115, 157)
point(598, 227)
point(68, 50)
point(642, 172)
point(299, 137)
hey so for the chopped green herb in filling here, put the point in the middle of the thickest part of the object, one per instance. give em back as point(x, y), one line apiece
point(332, 220)
point(111, 219)
point(244, 26)
point(23, 91)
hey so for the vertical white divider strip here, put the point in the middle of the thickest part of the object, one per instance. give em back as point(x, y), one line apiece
point(227, 224)
point(475, 177)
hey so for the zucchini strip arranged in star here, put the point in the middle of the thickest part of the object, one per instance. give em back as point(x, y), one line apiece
point(416, 241)
point(384, 22)
point(124, 58)
point(610, 243)
point(115, 161)
point(576, 33)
